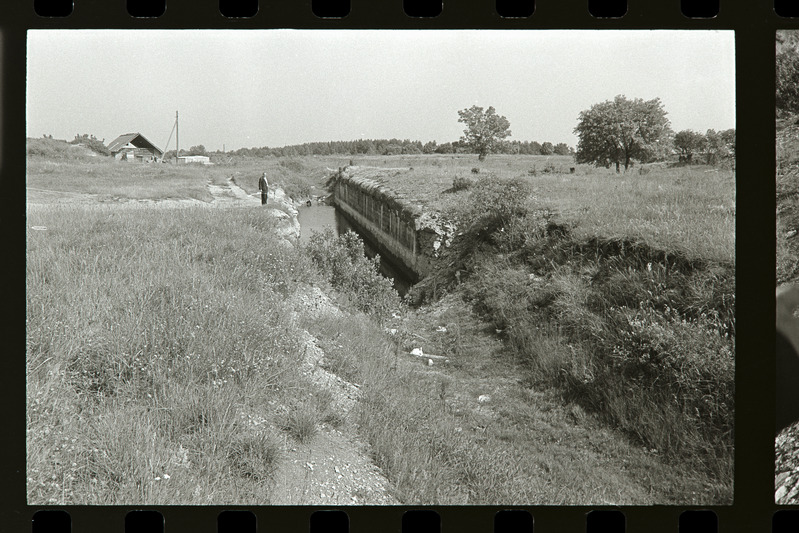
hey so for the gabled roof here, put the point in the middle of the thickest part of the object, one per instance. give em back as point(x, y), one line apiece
point(136, 139)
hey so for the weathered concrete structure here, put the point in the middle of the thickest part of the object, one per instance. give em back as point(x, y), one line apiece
point(395, 227)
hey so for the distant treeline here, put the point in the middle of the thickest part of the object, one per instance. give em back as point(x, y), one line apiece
point(397, 147)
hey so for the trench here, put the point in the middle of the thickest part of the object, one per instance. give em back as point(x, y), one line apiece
point(317, 217)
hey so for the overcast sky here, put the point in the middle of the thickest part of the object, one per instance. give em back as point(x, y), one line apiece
point(277, 87)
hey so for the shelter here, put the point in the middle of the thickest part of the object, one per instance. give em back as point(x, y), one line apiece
point(134, 147)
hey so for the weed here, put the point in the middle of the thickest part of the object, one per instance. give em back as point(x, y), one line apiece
point(301, 420)
point(343, 262)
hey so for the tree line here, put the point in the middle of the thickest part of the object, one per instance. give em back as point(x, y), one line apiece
point(394, 147)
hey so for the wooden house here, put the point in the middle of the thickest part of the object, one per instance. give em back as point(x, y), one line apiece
point(134, 147)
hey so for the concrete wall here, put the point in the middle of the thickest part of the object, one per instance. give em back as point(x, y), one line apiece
point(386, 221)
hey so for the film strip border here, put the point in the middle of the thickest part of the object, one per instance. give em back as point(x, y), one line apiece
point(755, 24)
point(412, 8)
point(410, 521)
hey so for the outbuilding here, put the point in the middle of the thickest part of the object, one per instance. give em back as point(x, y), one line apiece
point(203, 159)
point(134, 147)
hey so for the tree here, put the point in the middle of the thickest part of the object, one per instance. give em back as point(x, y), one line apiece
point(688, 142)
point(561, 149)
point(620, 130)
point(547, 148)
point(393, 149)
point(485, 130)
point(728, 136)
point(197, 150)
point(715, 147)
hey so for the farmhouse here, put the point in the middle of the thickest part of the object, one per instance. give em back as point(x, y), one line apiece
point(134, 147)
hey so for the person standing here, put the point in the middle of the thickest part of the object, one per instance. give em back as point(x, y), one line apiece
point(263, 186)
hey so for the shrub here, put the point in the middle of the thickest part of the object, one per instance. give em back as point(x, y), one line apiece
point(91, 142)
point(343, 262)
point(462, 184)
point(642, 338)
point(291, 164)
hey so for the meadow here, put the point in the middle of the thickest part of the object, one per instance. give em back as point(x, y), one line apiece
point(143, 384)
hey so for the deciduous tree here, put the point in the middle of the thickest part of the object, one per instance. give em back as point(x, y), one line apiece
point(485, 130)
point(620, 130)
point(688, 142)
point(715, 147)
point(562, 149)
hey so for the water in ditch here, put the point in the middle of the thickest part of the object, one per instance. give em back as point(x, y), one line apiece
point(317, 217)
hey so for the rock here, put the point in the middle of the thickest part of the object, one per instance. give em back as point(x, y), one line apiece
point(791, 233)
point(417, 352)
point(484, 398)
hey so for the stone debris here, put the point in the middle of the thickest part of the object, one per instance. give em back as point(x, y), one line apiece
point(786, 466)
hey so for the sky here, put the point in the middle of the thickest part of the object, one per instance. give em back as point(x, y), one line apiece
point(254, 88)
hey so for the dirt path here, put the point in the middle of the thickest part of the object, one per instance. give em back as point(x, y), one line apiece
point(227, 195)
point(334, 468)
point(231, 194)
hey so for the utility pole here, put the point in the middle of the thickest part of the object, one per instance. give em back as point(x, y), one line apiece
point(177, 139)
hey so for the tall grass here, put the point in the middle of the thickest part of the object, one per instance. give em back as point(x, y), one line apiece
point(153, 340)
point(639, 334)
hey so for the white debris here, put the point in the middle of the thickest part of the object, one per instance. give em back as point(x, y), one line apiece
point(418, 352)
point(484, 398)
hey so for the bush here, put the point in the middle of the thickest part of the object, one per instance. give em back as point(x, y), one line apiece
point(493, 202)
point(91, 142)
point(640, 344)
point(462, 184)
point(343, 262)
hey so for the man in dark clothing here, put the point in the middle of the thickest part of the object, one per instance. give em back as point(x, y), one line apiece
point(263, 186)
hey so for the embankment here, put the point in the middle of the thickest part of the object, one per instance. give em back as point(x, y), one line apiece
point(395, 226)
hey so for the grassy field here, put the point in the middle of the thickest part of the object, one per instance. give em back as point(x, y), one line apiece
point(59, 169)
point(616, 290)
point(149, 371)
point(690, 210)
point(142, 385)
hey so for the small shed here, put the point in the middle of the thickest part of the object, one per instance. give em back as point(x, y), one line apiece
point(134, 147)
point(203, 159)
